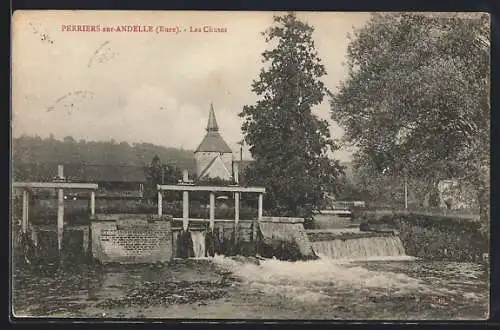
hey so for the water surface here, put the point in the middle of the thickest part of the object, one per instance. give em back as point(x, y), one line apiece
point(236, 288)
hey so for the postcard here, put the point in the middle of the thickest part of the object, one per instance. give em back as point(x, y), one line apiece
point(250, 165)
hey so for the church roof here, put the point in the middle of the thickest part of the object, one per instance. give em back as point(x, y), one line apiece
point(212, 122)
point(213, 141)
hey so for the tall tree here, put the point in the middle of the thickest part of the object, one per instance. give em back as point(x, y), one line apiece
point(288, 142)
point(416, 99)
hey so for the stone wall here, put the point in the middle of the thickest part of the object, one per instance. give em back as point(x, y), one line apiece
point(129, 241)
point(284, 238)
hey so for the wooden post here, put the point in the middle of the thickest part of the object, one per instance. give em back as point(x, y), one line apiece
point(34, 235)
point(212, 211)
point(185, 210)
point(406, 192)
point(85, 240)
point(24, 224)
point(160, 203)
point(185, 202)
point(60, 210)
point(92, 203)
point(236, 207)
point(60, 218)
point(261, 200)
point(60, 171)
point(236, 173)
point(236, 217)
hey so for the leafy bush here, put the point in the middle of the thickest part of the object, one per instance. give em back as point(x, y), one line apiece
point(434, 237)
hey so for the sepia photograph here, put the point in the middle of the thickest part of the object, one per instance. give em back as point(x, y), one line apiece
point(216, 165)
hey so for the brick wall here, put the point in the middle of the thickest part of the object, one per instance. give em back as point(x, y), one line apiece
point(141, 243)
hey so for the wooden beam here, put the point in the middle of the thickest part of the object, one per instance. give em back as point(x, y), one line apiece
point(56, 185)
point(260, 190)
point(53, 228)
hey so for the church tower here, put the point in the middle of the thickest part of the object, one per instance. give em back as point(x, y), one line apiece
point(214, 158)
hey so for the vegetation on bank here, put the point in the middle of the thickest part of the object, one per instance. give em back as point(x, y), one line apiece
point(433, 237)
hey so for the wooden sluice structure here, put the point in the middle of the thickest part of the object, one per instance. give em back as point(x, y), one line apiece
point(61, 185)
point(159, 237)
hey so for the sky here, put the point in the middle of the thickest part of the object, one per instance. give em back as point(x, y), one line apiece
point(152, 86)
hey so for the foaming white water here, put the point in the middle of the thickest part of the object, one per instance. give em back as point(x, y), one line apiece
point(362, 247)
point(317, 272)
point(373, 258)
point(198, 239)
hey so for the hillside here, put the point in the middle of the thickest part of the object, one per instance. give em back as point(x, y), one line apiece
point(35, 151)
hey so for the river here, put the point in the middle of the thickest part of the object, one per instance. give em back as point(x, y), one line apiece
point(236, 288)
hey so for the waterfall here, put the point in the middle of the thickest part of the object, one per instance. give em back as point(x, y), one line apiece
point(198, 239)
point(360, 247)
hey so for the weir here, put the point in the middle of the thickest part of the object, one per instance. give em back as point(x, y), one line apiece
point(356, 244)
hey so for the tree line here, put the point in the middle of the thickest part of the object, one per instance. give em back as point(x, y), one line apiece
point(37, 150)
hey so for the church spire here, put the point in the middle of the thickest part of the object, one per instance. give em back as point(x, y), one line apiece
point(212, 122)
